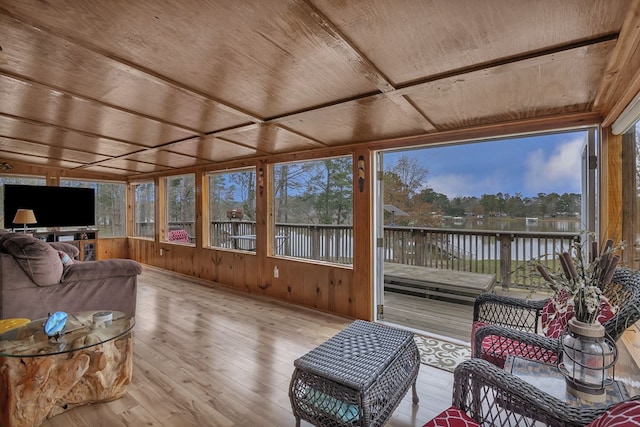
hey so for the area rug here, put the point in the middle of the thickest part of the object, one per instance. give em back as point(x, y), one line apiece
point(441, 354)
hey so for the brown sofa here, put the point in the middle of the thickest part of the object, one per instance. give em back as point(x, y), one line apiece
point(34, 281)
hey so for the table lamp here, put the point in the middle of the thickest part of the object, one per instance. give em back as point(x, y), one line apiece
point(24, 216)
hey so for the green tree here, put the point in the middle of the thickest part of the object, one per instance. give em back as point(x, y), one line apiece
point(290, 180)
point(181, 198)
point(332, 190)
point(403, 183)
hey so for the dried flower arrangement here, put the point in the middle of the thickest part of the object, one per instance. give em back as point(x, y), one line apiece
point(580, 284)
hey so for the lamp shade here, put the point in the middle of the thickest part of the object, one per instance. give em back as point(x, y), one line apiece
point(24, 216)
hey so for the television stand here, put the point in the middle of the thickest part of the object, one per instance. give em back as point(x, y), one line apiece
point(84, 239)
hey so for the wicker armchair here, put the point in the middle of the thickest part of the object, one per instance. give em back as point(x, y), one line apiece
point(493, 397)
point(505, 326)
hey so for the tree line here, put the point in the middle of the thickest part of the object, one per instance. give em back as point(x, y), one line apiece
point(405, 189)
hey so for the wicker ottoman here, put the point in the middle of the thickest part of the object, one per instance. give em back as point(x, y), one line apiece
point(356, 378)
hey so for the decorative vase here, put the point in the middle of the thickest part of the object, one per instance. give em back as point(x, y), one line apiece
point(588, 356)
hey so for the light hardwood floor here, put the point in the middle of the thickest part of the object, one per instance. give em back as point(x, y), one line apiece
point(210, 356)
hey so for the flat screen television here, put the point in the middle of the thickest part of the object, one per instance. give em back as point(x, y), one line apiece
point(52, 206)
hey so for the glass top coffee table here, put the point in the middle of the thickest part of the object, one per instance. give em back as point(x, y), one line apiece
point(31, 341)
point(89, 362)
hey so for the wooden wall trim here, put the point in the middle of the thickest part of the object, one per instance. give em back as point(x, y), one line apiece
point(363, 258)
point(611, 186)
point(629, 200)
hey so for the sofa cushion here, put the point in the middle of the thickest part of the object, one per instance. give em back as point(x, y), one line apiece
point(38, 259)
point(452, 417)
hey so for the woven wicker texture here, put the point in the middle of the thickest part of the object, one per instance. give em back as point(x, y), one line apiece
point(494, 397)
point(356, 378)
point(513, 322)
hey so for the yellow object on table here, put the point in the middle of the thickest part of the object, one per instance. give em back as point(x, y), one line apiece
point(8, 324)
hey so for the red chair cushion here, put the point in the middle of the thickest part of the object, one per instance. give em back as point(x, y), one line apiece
point(495, 349)
point(452, 417)
point(622, 414)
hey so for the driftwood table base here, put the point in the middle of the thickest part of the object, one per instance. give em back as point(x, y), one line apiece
point(33, 389)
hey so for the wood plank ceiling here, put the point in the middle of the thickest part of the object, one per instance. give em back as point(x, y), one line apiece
point(125, 88)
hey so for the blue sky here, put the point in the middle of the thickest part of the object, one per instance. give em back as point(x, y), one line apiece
point(532, 165)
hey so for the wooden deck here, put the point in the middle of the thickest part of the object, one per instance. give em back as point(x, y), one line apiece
point(440, 317)
point(436, 282)
point(437, 317)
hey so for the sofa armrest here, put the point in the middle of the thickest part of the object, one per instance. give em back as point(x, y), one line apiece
point(103, 269)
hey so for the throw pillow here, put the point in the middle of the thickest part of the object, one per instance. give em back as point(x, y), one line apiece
point(623, 414)
point(65, 258)
point(557, 312)
point(68, 248)
point(38, 260)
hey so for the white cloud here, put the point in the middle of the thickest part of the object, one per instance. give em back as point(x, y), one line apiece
point(559, 172)
point(454, 185)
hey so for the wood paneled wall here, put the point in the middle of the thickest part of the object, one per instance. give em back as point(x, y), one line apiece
point(322, 286)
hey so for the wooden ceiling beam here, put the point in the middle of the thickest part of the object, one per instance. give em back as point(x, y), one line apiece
point(66, 128)
point(413, 111)
point(528, 59)
point(93, 100)
point(38, 26)
point(350, 51)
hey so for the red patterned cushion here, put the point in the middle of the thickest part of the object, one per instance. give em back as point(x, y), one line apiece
point(623, 414)
point(451, 417)
point(178, 236)
point(557, 312)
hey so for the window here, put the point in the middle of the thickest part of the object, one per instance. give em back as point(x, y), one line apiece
point(144, 208)
point(181, 208)
point(110, 205)
point(16, 180)
point(232, 209)
point(313, 209)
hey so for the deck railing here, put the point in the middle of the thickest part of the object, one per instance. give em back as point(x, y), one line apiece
point(507, 254)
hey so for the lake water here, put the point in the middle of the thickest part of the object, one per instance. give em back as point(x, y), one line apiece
point(552, 225)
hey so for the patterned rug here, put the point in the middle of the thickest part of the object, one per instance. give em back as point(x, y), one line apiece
point(441, 354)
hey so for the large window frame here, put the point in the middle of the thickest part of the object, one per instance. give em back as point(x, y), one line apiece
point(180, 209)
point(232, 209)
point(144, 209)
point(313, 205)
